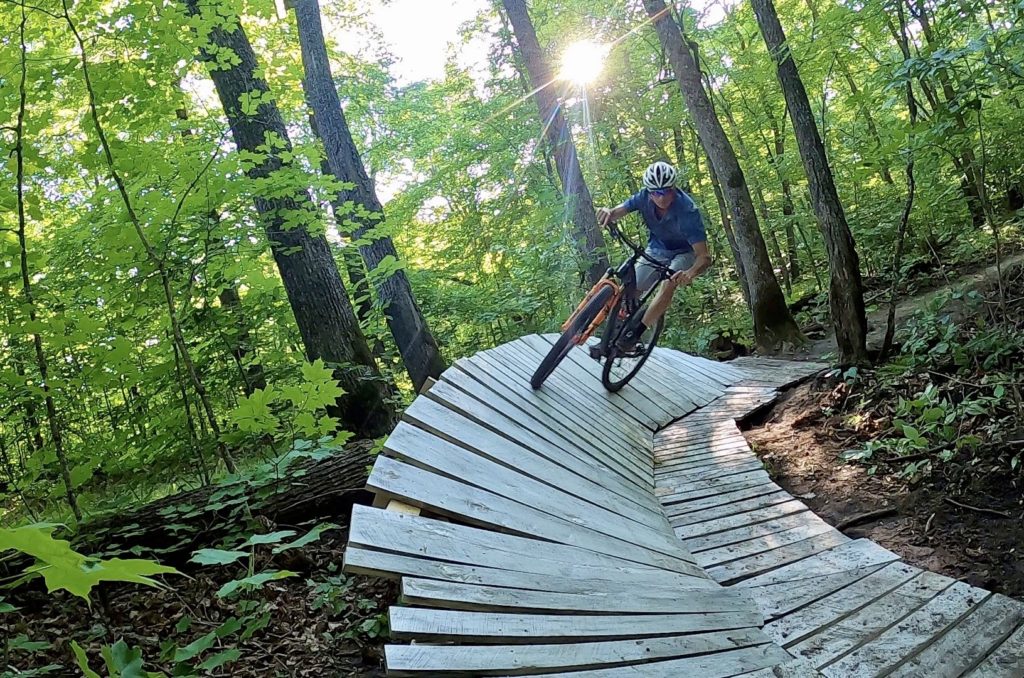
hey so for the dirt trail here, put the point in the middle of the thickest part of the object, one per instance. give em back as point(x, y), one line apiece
point(976, 279)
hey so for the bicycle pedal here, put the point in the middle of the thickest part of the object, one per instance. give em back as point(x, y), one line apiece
point(595, 352)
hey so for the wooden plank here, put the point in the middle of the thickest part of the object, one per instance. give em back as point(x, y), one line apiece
point(670, 501)
point(973, 638)
point(685, 452)
point(763, 545)
point(492, 467)
point(849, 556)
point(911, 634)
point(794, 668)
point(719, 470)
point(564, 455)
point(432, 625)
point(839, 639)
point(1006, 661)
point(480, 507)
point(718, 372)
point(668, 386)
point(428, 384)
point(401, 507)
point(585, 371)
point(563, 392)
point(527, 412)
point(702, 388)
point(744, 568)
point(555, 414)
point(715, 373)
point(677, 513)
point(660, 384)
point(779, 506)
point(755, 529)
point(414, 442)
point(564, 414)
point(678, 492)
point(593, 401)
point(452, 595)
point(413, 535)
point(492, 660)
point(368, 561)
point(716, 665)
point(543, 423)
point(574, 384)
point(822, 600)
point(710, 459)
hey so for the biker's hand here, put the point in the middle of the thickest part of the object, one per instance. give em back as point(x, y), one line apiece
point(681, 278)
point(604, 215)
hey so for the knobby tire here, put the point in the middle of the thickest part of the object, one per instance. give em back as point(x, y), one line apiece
point(570, 336)
point(615, 383)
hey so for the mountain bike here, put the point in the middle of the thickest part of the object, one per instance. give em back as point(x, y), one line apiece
point(614, 298)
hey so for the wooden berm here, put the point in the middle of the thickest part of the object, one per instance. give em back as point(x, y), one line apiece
point(569, 532)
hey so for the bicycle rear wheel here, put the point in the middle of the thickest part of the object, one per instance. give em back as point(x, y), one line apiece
point(571, 336)
point(620, 367)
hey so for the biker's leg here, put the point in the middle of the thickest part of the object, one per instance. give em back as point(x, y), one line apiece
point(663, 299)
point(646, 277)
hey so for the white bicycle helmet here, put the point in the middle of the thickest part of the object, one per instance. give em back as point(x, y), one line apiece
point(659, 175)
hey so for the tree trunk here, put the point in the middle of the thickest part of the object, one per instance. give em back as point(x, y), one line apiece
point(315, 290)
point(966, 161)
point(862, 107)
point(846, 296)
point(409, 328)
point(779, 140)
point(240, 340)
point(723, 210)
point(773, 323)
point(56, 435)
point(589, 240)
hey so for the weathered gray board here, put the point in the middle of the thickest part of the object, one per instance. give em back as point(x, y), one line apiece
point(573, 532)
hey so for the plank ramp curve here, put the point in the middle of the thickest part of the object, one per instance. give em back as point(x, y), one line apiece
point(568, 531)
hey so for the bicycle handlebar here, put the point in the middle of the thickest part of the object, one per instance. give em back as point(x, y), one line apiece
point(613, 228)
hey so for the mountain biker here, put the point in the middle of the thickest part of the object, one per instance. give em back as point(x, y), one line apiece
point(676, 238)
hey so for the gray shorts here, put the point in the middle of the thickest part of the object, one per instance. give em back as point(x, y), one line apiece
point(647, 275)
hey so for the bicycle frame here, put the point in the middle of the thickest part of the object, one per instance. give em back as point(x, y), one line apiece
point(621, 280)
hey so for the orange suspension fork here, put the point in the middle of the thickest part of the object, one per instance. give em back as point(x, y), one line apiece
point(600, 317)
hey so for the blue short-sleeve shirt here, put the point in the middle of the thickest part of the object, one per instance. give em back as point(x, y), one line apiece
point(678, 230)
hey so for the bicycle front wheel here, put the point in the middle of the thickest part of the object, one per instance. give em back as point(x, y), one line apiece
point(571, 336)
point(620, 366)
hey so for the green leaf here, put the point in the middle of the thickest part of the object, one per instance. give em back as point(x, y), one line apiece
point(81, 474)
point(21, 642)
point(123, 661)
point(216, 556)
point(220, 659)
point(184, 624)
point(255, 581)
point(196, 647)
point(63, 568)
point(255, 625)
point(308, 538)
point(230, 626)
point(269, 538)
point(83, 661)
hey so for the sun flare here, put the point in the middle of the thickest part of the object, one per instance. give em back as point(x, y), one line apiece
point(582, 62)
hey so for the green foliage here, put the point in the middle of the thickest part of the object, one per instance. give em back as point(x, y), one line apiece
point(63, 568)
point(293, 411)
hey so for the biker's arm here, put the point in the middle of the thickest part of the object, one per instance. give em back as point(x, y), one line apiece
point(606, 216)
point(702, 259)
point(701, 262)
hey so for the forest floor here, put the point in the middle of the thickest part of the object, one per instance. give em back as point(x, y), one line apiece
point(315, 622)
point(969, 277)
point(950, 509)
